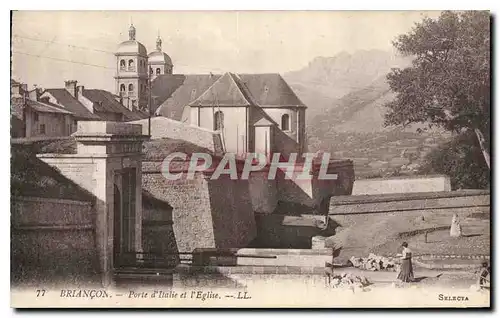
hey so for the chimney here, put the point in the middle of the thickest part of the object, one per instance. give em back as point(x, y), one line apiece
point(80, 90)
point(71, 87)
point(34, 94)
point(19, 90)
point(15, 90)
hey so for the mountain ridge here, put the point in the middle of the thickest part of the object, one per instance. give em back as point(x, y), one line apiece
point(346, 96)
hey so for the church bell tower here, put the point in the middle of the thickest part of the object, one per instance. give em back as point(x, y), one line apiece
point(132, 72)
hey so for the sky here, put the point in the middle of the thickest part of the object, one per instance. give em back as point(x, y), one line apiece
point(49, 47)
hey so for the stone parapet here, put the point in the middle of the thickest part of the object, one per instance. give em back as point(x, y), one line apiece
point(343, 205)
point(434, 183)
point(86, 128)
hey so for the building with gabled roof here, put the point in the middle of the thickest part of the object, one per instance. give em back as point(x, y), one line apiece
point(63, 98)
point(37, 118)
point(228, 103)
point(231, 104)
point(91, 104)
point(107, 106)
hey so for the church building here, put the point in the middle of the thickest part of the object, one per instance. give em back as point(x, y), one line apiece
point(251, 112)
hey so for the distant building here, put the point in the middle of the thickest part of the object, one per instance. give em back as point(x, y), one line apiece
point(107, 106)
point(37, 118)
point(252, 112)
point(132, 73)
point(67, 98)
point(91, 205)
point(159, 62)
point(124, 207)
point(91, 104)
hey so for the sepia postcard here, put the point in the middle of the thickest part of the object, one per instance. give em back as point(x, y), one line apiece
point(268, 159)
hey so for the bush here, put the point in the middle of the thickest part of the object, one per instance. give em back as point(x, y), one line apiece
point(462, 160)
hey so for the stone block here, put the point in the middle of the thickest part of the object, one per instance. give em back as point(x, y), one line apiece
point(318, 242)
point(402, 185)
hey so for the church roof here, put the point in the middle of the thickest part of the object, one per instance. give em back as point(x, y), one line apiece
point(174, 92)
point(226, 91)
point(270, 90)
point(132, 47)
point(158, 57)
point(71, 104)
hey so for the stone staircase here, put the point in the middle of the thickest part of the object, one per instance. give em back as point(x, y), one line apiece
point(263, 257)
point(139, 275)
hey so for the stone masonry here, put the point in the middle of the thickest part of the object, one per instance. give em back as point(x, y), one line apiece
point(105, 150)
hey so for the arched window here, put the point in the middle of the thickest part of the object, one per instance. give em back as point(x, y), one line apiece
point(130, 65)
point(122, 88)
point(158, 71)
point(130, 87)
point(122, 64)
point(218, 120)
point(285, 122)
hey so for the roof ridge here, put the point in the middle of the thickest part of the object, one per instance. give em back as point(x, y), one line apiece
point(209, 88)
point(238, 84)
point(36, 103)
point(51, 105)
point(70, 103)
point(107, 97)
point(228, 74)
point(293, 92)
point(247, 90)
point(265, 73)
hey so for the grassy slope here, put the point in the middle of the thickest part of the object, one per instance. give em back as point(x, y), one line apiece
point(32, 177)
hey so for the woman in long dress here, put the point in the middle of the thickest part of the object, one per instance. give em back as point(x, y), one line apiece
point(406, 273)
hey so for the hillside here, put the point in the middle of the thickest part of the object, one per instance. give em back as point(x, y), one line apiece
point(327, 78)
point(358, 111)
point(345, 95)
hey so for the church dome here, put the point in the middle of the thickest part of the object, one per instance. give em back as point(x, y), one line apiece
point(158, 57)
point(131, 47)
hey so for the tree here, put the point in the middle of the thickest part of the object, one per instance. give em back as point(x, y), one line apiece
point(448, 82)
point(460, 159)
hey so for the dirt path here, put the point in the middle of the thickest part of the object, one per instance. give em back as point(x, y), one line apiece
point(424, 277)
